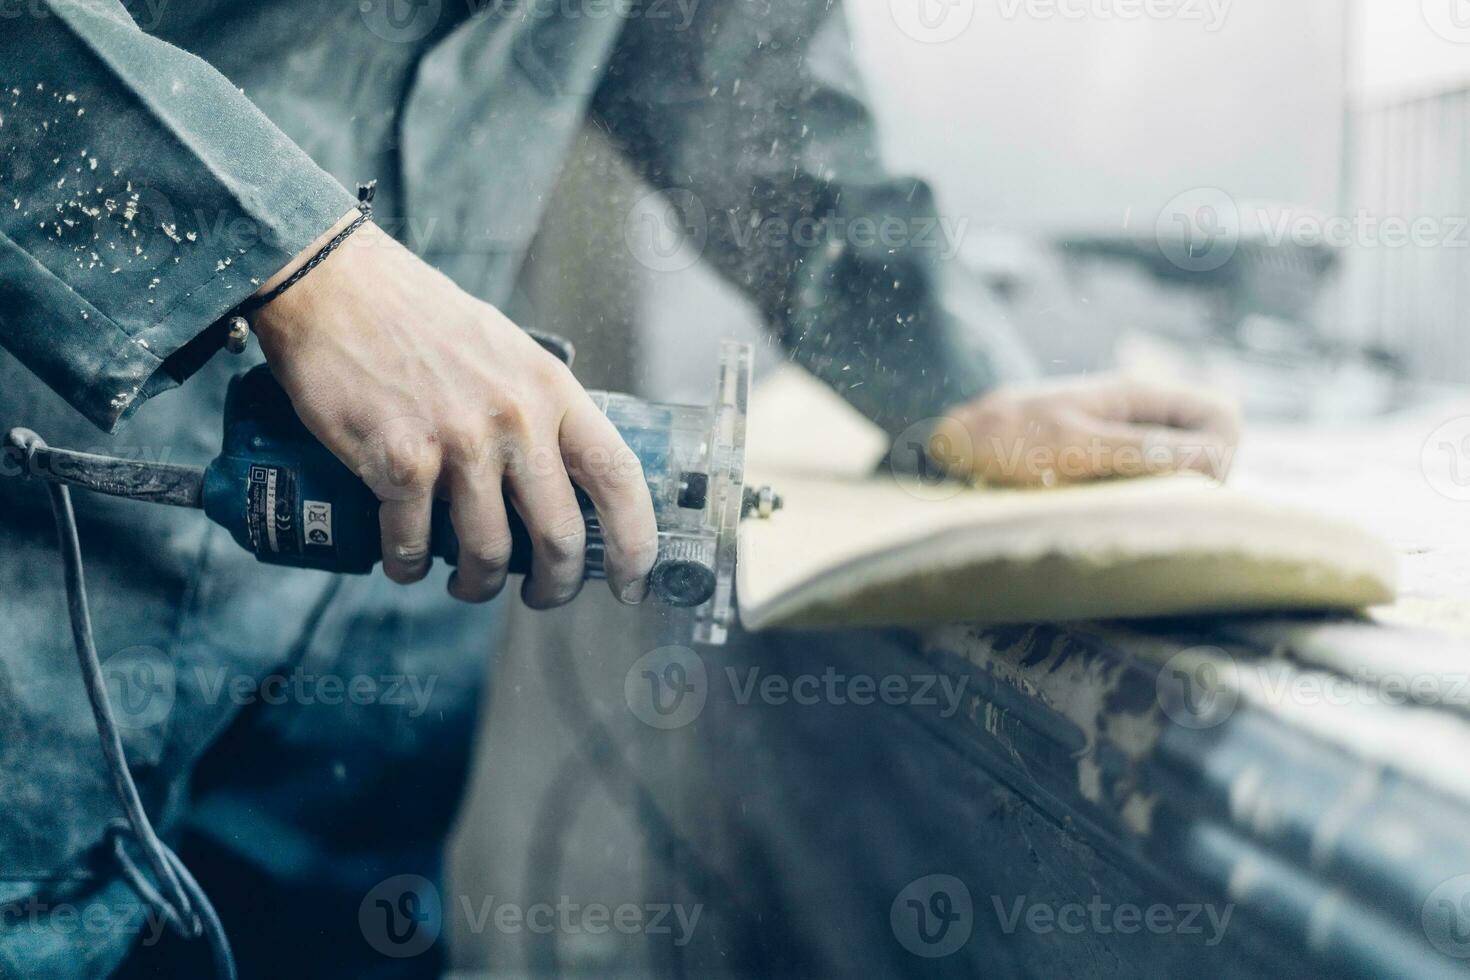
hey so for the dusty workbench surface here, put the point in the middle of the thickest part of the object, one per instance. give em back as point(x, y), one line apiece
point(1406, 478)
point(1301, 781)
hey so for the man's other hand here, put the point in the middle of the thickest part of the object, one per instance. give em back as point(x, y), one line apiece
point(1078, 429)
point(425, 391)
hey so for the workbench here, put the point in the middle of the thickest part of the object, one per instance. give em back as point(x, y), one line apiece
point(1105, 794)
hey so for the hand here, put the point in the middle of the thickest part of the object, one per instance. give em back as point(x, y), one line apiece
point(1079, 429)
point(423, 390)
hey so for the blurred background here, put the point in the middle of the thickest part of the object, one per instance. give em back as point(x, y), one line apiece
point(1271, 197)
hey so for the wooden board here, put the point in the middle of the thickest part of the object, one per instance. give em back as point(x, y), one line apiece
point(855, 549)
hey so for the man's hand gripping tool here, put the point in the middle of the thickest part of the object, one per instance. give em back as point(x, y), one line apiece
point(283, 496)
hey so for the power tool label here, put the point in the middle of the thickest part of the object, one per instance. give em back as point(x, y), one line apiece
point(318, 516)
point(271, 511)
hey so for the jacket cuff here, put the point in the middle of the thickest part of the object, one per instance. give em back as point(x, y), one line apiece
point(142, 197)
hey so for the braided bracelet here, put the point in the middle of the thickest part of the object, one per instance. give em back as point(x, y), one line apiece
point(239, 326)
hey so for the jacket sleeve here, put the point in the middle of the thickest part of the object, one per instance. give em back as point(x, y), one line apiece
point(142, 196)
point(751, 117)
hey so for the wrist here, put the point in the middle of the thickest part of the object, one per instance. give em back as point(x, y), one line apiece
point(288, 307)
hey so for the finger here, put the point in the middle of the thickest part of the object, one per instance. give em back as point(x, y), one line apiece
point(1209, 424)
point(401, 466)
point(994, 441)
point(542, 494)
point(477, 510)
point(602, 464)
point(1126, 449)
point(405, 532)
point(1179, 408)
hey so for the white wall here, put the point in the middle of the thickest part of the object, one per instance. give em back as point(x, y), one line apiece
point(1044, 123)
point(1410, 47)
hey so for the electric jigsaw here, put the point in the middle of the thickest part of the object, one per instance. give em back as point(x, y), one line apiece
point(284, 497)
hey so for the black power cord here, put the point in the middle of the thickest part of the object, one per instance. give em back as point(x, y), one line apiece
point(178, 897)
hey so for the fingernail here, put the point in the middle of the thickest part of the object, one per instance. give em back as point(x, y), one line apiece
point(406, 574)
point(634, 592)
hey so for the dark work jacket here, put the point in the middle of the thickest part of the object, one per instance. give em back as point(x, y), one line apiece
point(158, 160)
